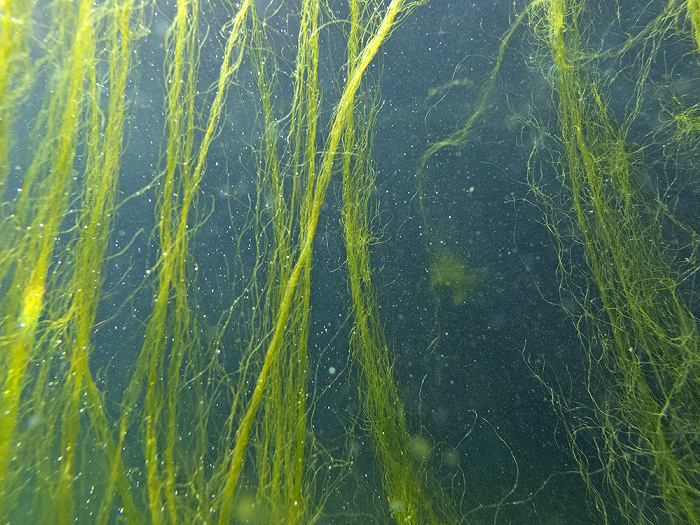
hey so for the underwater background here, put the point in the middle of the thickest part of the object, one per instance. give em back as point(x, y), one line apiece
point(349, 262)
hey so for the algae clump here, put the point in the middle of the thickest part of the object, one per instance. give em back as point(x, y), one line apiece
point(449, 273)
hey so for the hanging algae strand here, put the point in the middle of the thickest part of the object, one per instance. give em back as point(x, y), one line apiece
point(69, 312)
point(656, 393)
point(383, 408)
point(183, 174)
point(341, 115)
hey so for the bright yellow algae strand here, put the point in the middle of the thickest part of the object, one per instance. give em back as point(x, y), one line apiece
point(72, 316)
point(344, 106)
point(280, 468)
point(174, 235)
point(149, 362)
point(276, 483)
point(21, 334)
point(382, 404)
point(102, 172)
